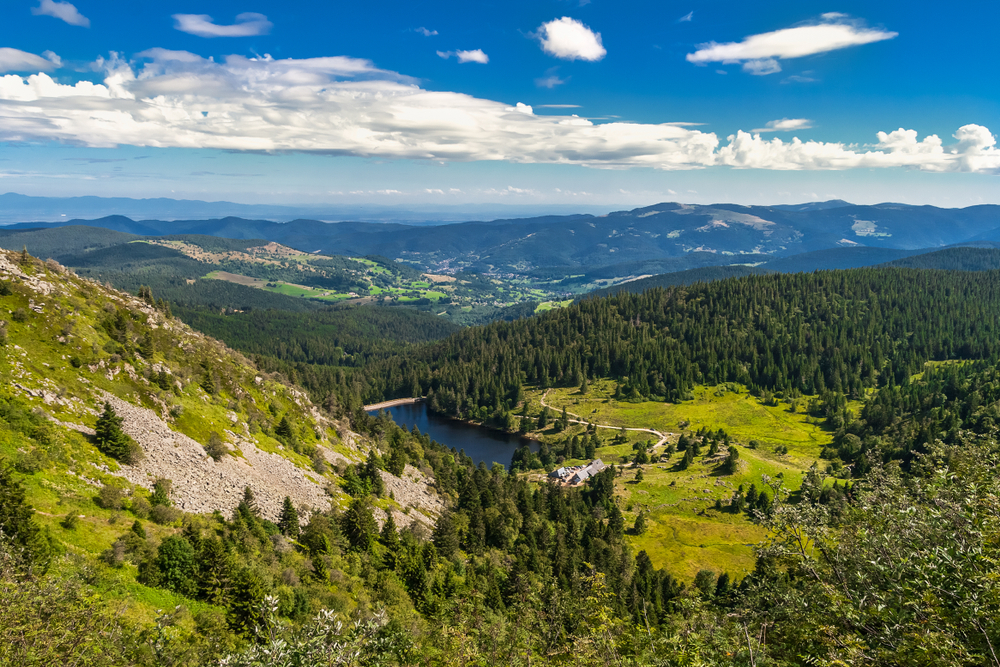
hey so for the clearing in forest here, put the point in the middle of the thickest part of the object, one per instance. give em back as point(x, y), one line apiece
point(685, 531)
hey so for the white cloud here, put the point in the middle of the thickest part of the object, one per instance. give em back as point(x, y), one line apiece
point(63, 11)
point(758, 53)
point(14, 60)
point(346, 106)
point(761, 67)
point(570, 39)
point(476, 56)
point(687, 17)
point(786, 125)
point(248, 24)
point(551, 79)
point(52, 58)
point(425, 32)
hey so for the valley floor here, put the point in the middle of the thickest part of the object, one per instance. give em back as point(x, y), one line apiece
point(685, 532)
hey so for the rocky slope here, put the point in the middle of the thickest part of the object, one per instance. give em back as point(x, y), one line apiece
point(69, 345)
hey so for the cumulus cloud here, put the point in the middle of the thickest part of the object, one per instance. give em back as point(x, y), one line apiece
point(570, 39)
point(425, 32)
point(14, 60)
point(476, 56)
point(248, 24)
point(64, 11)
point(760, 53)
point(347, 106)
point(786, 125)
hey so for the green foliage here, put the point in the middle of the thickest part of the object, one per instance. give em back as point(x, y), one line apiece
point(216, 446)
point(161, 493)
point(175, 565)
point(289, 519)
point(18, 529)
point(112, 440)
point(359, 525)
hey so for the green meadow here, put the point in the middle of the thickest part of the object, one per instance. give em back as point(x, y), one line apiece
point(684, 530)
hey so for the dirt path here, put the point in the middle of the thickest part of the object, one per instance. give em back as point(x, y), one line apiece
point(579, 420)
point(389, 404)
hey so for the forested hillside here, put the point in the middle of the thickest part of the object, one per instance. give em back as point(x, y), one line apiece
point(841, 332)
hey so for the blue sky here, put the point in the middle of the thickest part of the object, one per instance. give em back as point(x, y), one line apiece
point(546, 102)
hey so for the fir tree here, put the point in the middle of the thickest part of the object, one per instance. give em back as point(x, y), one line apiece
point(446, 536)
point(17, 521)
point(247, 507)
point(110, 437)
point(161, 492)
point(359, 524)
point(732, 462)
point(616, 522)
point(640, 524)
point(389, 535)
point(288, 522)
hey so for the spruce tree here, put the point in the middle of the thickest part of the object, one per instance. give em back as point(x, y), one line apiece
point(247, 507)
point(446, 536)
point(732, 462)
point(640, 524)
point(161, 492)
point(110, 437)
point(616, 522)
point(389, 535)
point(17, 522)
point(288, 522)
point(359, 524)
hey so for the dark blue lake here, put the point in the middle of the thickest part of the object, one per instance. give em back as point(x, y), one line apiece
point(481, 444)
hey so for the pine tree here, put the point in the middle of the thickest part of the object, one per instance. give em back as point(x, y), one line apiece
point(288, 522)
point(371, 472)
point(359, 524)
point(640, 524)
point(616, 522)
point(247, 507)
point(17, 520)
point(446, 536)
point(389, 535)
point(732, 462)
point(147, 347)
point(161, 492)
point(25, 257)
point(110, 437)
point(284, 430)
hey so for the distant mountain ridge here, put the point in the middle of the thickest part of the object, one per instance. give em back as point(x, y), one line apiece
point(736, 234)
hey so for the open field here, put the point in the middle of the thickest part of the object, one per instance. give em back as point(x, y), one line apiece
point(685, 532)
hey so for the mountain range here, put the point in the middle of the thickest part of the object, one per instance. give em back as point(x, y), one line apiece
point(722, 234)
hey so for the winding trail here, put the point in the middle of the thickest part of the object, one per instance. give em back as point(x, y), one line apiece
point(580, 420)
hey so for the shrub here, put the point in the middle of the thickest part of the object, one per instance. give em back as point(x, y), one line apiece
point(34, 461)
point(140, 507)
point(161, 492)
point(216, 448)
point(70, 521)
point(20, 315)
point(164, 515)
point(111, 497)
